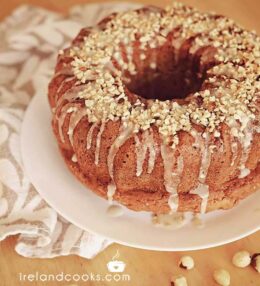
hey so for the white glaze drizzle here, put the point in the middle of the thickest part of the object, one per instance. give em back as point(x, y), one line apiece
point(245, 140)
point(198, 221)
point(75, 118)
point(141, 149)
point(202, 190)
point(171, 179)
point(64, 71)
point(234, 149)
point(98, 142)
point(115, 211)
point(173, 220)
point(205, 160)
point(257, 128)
point(66, 80)
point(246, 147)
point(125, 132)
point(61, 119)
point(152, 150)
point(140, 156)
point(90, 135)
point(70, 95)
point(243, 173)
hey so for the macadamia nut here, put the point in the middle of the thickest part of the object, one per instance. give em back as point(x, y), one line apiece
point(255, 262)
point(222, 277)
point(186, 262)
point(241, 259)
point(179, 281)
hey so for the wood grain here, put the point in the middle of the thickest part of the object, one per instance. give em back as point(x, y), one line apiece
point(146, 268)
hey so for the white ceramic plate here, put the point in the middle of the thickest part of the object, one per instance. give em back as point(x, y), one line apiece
point(72, 200)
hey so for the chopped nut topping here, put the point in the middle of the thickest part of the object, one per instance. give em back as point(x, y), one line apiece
point(233, 83)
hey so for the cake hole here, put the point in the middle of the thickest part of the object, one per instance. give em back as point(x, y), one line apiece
point(166, 83)
point(169, 77)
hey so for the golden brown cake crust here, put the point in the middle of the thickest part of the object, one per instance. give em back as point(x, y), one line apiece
point(140, 163)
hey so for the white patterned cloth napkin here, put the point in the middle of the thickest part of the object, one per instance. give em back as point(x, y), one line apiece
point(30, 40)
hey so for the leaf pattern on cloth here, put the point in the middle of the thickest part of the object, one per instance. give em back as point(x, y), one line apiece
point(30, 40)
point(3, 133)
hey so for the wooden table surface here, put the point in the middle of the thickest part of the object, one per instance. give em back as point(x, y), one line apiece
point(146, 268)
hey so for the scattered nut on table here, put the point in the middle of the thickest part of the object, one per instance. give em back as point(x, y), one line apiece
point(222, 277)
point(186, 262)
point(241, 259)
point(255, 261)
point(179, 281)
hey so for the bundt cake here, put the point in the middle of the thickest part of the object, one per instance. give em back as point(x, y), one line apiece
point(158, 109)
